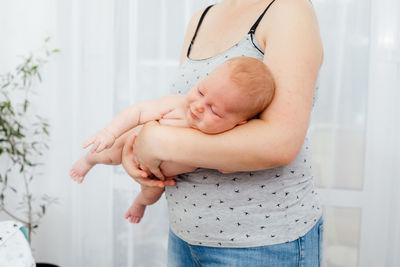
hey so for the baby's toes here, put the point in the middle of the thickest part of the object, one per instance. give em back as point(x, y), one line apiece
point(72, 174)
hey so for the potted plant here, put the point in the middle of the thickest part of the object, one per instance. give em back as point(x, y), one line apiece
point(23, 140)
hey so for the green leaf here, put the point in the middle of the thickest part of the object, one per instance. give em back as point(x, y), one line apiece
point(5, 85)
point(45, 131)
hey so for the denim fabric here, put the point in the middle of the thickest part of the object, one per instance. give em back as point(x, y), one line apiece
point(305, 251)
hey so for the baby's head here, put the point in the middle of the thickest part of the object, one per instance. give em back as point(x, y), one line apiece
point(234, 92)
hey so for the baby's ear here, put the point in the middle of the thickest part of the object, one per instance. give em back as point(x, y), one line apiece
point(243, 122)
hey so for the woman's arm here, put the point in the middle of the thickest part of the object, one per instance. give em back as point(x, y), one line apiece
point(294, 55)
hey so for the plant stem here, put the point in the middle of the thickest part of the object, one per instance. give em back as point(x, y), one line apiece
point(12, 215)
point(29, 202)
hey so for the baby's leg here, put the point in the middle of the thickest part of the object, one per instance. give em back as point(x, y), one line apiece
point(111, 156)
point(148, 195)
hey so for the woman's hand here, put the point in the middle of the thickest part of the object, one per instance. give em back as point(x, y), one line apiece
point(145, 150)
point(131, 167)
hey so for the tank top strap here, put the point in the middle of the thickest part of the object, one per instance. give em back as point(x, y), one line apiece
point(254, 27)
point(197, 29)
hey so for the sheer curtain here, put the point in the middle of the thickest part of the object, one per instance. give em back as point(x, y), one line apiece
point(149, 37)
point(354, 130)
point(115, 53)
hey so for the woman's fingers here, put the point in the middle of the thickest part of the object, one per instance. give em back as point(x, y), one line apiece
point(157, 173)
point(137, 173)
point(169, 182)
point(150, 182)
point(133, 168)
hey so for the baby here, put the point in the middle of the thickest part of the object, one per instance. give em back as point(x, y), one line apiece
point(234, 92)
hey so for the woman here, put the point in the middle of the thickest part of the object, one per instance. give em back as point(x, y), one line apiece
point(266, 213)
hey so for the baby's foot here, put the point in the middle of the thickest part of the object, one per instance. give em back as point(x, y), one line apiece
point(135, 212)
point(79, 170)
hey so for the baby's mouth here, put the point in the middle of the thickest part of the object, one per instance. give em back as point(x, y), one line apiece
point(193, 115)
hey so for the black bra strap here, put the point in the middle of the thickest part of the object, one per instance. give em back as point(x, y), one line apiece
point(254, 27)
point(197, 29)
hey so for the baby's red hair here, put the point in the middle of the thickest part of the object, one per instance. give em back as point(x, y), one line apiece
point(254, 78)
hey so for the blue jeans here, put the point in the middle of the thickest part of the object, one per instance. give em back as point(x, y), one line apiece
point(305, 251)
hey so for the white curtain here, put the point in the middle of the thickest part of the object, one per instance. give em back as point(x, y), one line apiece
point(149, 37)
point(355, 131)
point(115, 53)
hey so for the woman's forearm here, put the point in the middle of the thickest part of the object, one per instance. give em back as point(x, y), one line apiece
point(261, 146)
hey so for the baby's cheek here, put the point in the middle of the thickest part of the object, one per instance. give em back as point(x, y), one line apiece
point(213, 125)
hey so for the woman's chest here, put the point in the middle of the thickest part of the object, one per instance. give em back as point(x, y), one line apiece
point(224, 26)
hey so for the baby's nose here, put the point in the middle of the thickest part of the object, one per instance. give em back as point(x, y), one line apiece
point(199, 108)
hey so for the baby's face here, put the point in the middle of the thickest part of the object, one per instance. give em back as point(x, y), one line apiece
point(214, 104)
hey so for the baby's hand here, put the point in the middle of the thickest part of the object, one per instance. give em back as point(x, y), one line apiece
point(101, 140)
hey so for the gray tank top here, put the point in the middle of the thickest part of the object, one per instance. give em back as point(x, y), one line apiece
point(242, 209)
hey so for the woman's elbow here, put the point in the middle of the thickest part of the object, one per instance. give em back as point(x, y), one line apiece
point(290, 152)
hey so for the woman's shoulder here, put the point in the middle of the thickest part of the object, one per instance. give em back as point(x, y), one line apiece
point(286, 9)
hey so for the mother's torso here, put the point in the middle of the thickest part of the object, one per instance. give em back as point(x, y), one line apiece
point(241, 209)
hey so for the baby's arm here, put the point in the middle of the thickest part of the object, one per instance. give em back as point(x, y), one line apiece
point(134, 115)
